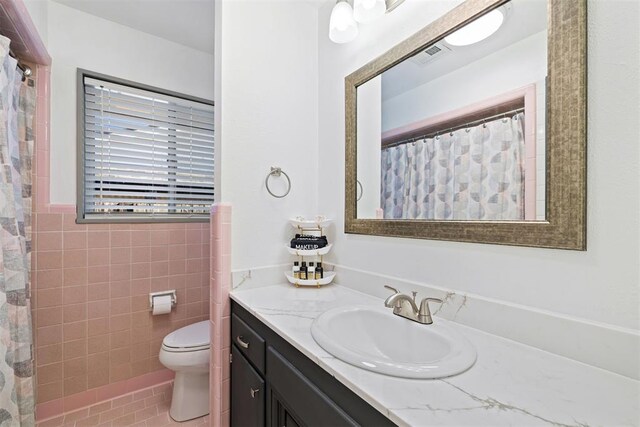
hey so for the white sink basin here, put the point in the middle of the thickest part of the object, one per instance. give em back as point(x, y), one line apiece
point(375, 339)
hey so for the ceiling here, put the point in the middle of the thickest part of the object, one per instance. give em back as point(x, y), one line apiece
point(187, 22)
point(524, 18)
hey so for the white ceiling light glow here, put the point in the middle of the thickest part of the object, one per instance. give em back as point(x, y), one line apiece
point(477, 30)
point(342, 27)
point(368, 10)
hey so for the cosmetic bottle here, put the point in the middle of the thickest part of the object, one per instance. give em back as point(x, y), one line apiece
point(319, 271)
point(296, 270)
point(303, 271)
point(311, 271)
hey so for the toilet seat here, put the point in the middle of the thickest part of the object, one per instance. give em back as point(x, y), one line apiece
point(194, 337)
point(184, 349)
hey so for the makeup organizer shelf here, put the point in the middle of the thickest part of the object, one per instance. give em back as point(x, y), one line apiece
point(308, 227)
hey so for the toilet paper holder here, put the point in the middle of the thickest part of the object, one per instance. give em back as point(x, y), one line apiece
point(172, 293)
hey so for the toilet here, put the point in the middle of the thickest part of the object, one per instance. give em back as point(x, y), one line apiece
point(186, 351)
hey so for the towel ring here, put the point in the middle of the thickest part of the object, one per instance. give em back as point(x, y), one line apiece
point(359, 184)
point(277, 171)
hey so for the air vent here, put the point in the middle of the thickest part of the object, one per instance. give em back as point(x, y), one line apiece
point(430, 54)
point(432, 50)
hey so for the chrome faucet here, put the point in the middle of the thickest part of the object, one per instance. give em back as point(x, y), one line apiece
point(405, 306)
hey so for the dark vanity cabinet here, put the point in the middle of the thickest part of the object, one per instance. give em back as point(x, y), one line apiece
point(247, 391)
point(273, 384)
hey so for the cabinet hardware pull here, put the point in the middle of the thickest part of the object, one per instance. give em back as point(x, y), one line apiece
point(253, 392)
point(241, 342)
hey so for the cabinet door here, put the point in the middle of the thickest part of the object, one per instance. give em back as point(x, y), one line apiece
point(289, 421)
point(280, 415)
point(247, 393)
point(309, 404)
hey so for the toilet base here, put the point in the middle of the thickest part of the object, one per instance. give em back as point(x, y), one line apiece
point(190, 396)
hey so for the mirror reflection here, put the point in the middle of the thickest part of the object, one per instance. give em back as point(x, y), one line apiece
point(457, 131)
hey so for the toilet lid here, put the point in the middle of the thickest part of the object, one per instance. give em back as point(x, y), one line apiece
point(195, 335)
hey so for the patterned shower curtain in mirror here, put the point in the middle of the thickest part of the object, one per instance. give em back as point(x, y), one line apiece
point(17, 106)
point(475, 173)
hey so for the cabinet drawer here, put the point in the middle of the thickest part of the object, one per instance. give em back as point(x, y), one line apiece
point(248, 342)
point(302, 396)
point(247, 393)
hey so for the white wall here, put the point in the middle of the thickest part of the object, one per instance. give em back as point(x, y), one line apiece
point(369, 131)
point(269, 114)
point(601, 284)
point(518, 65)
point(79, 40)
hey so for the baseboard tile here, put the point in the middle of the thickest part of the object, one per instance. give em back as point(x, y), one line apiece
point(75, 402)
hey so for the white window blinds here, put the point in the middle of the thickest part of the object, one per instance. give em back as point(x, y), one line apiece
point(146, 154)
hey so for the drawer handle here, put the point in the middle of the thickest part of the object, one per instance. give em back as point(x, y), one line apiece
point(241, 342)
point(253, 392)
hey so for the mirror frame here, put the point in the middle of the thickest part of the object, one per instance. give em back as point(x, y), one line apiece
point(566, 137)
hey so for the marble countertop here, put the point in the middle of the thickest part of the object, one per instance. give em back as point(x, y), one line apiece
point(510, 383)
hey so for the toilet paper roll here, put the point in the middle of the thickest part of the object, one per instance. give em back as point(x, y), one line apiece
point(161, 304)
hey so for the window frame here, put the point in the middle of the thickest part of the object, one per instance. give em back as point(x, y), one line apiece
point(81, 217)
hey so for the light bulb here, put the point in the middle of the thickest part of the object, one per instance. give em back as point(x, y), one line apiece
point(477, 30)
point(368, 10)
point(342, 27)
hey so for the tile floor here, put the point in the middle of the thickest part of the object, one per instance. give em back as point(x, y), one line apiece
point(144, 408)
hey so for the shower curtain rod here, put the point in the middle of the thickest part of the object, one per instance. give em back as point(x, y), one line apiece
point(26, 70)
point(454, 128)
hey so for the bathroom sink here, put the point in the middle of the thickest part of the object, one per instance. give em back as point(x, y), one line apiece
point(375, 339)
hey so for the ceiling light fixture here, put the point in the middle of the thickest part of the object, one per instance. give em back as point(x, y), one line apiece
point(477, 30)
point(368, 10)
point(342, 27)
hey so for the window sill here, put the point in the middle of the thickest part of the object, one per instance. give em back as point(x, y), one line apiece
point(137, 220)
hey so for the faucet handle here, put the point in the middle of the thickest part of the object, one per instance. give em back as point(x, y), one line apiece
point(387, 301)
point(424, 314)
point(392, 289)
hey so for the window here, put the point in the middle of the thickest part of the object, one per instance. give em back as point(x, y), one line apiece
point(145, 154)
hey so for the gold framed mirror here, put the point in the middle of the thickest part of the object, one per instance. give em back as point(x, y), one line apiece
point(467, 169)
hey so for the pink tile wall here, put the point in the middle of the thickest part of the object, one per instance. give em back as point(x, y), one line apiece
point(220, 313)
point(148, 407)
point(94, 335)
point(92, 282)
